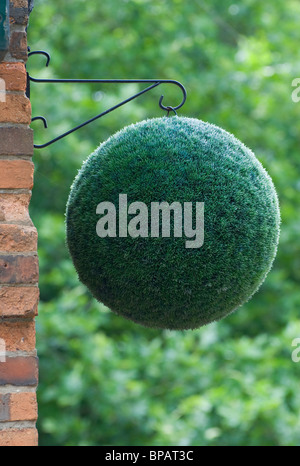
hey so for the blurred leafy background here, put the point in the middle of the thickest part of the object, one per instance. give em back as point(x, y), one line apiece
point(107, 381)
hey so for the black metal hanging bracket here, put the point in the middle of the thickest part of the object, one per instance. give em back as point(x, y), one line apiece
point(154, 83)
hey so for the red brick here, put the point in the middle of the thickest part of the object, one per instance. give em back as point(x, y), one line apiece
point(19, 335)
point(22, 406)
point(18, 45)
point(18, 269)
point(14, 75)
point(15, 109)
point(4, 407)
point(18, 238)
point(19, 371)
point(18, 15)
point(16, 141)
point(19, 437)
point(17, 235)
point(19, 3)
point(21, 301)
point(16, 174)
point(14, 208)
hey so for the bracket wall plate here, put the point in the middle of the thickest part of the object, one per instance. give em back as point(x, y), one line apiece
point(4, 28)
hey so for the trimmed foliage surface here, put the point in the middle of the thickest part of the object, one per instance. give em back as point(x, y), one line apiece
point(158, 282)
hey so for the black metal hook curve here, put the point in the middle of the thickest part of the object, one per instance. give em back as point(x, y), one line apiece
point(41, 118)
point(154, 83)
point(41, 52)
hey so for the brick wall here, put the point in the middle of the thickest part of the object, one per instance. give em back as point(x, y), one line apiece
point(19, 291)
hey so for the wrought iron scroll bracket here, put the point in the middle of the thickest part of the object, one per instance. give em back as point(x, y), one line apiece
point(153, 83)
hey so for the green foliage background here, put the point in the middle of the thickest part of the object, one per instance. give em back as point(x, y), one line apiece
point(107, 381)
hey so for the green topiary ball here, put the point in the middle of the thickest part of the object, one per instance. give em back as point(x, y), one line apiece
point(191, 260)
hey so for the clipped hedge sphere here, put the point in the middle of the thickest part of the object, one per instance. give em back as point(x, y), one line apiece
point(172, 281)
